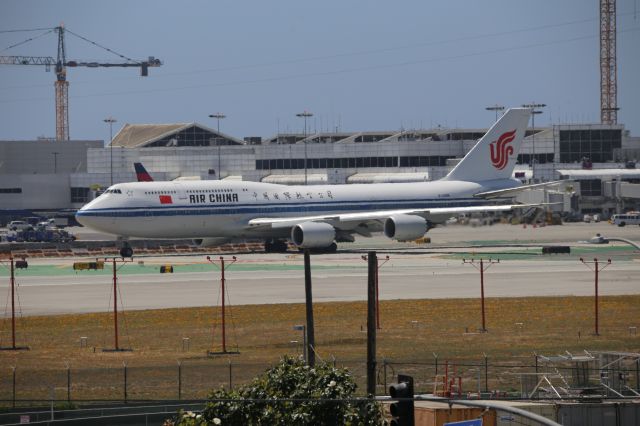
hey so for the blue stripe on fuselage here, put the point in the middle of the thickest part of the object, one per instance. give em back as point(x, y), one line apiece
point(273, 208)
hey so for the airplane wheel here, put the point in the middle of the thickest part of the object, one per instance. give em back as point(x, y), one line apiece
point(126, 251)
point(280, 246)
point(275, 246)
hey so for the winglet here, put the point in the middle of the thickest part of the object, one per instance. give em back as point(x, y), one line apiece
point(141, 173)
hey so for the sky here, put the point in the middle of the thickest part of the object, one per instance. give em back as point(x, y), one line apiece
point(357, 65)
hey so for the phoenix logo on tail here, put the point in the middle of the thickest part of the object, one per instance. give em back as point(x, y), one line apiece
point(501, 150)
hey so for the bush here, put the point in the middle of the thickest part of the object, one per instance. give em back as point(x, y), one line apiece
point(291, 393)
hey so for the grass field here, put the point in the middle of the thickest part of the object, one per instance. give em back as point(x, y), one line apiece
point(411, 333)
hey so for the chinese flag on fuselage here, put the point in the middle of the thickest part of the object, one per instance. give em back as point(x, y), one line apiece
point(166, 199)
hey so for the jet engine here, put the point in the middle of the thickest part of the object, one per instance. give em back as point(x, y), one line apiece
point(211, 242)
point(405, 227)
point(313, 235)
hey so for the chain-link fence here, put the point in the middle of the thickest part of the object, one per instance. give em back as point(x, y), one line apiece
point(193, 379)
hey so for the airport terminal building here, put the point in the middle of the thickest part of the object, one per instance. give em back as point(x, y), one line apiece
point(47, 175)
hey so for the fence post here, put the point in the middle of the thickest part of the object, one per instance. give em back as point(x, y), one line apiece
point(435, 355)
point(384, 372)
point(68, 383)
point(486, 373)
point(179, 380)
point(124, 364)
point(14, 388)
point(230, 376)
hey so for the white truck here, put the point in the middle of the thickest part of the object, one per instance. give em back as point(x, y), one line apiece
point(58, 222)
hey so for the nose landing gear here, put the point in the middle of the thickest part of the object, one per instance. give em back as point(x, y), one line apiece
point(126, 250)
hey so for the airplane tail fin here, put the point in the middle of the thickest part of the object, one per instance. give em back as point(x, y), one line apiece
point(495, 154)
point(141, 173)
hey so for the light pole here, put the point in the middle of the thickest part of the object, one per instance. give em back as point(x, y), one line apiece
point(534, 111)
point(110, 120)
point(218, 116)
point(495, 108)
point(305, 115)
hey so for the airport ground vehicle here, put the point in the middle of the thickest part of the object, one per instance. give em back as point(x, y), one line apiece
point(630, 218)
point(41, 235)
point(59, 222)
point(19, 225)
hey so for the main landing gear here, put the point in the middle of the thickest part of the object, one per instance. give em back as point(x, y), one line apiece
point(275, 246)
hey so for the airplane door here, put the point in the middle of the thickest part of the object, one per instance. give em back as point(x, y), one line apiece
point(180, 192)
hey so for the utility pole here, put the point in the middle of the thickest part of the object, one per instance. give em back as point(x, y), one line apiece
point(114, 267)
point(222, 265)
point(110, 120)
point(534, 111)
point(596, 269)
point(481, 266)
point(218, 116)
point(378, 266)
point(371, 323)
point(12, 283)
point(311, 340)
point(305, 114)
point(495, 108)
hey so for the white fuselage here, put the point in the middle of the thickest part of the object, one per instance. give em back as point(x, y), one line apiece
point(211, 209)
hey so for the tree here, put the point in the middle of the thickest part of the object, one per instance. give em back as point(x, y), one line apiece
point(292, 393)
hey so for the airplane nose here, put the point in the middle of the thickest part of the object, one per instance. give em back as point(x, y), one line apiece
point(81, 217)
point(86, 215)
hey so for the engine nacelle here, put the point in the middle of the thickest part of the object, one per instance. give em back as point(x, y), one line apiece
point(313, 235)
point(211, 242)
point(405, 227)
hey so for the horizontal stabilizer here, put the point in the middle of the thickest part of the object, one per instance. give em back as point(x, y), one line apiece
point(512, 191)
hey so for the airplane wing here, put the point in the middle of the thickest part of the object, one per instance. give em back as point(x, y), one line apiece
point(512, 191)
point(350, 220)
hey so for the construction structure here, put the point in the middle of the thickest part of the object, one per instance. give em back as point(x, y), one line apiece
point(594, 374)
point(608, 64)
point(61, 63)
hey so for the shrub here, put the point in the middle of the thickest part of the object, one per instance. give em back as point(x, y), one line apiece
point(292, 393)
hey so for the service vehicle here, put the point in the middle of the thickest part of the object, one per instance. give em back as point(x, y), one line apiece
point(630, 218)
point(19, 225)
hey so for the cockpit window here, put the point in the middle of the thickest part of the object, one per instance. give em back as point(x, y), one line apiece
point(113, 191)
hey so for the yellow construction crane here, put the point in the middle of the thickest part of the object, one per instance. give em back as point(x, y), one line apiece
point(61, 64)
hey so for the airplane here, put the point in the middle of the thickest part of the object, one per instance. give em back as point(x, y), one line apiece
point(141, 173)
point(314, 217)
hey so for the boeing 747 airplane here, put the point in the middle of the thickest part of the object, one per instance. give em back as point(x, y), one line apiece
point(318, 216)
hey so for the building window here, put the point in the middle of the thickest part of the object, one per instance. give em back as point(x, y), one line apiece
point(10, 190)
point(596, 145)
point(591, 187)
point(79, 195)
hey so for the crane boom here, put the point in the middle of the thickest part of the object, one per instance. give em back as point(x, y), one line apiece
point(27, 60)
point(62, 85)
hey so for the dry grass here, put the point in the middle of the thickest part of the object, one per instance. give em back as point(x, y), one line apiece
point(411, 331)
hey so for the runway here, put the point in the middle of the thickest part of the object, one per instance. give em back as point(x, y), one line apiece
point(422, 272)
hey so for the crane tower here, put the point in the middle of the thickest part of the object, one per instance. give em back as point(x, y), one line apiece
point(608, 68)
point(61, 64)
